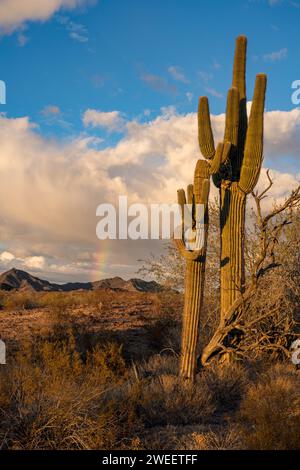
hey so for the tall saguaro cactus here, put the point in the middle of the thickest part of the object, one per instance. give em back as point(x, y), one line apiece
point(197, 196)
point(239, 173)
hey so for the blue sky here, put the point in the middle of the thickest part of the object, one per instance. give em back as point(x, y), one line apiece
point(133, 55)
point(101, 101)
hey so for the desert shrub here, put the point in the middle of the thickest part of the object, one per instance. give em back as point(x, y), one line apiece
point(61, 301)
point(109, 360)
point(270, 410)
point(51, 399)
point(21, 301)
point(164, 334)
point(2, 300)
point(226, 383)
point(166, 400)
point(169, 304)
point(159, 364)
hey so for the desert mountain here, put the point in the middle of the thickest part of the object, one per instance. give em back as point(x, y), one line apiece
point(16, 279)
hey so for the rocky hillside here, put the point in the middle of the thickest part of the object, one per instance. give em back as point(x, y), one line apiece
point(16, 279)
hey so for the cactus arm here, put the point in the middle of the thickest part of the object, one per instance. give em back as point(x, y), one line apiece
point(217, 160)
point(254, 141)
point(201, 174)
point(191, 202)
point(196, 255)
point(239, 81)
point(190, 194)
point(229, 149)
point(232, 130)
point(239, 66)
point(181, 200)
point(232, 117)
point(197, 194)
point(205, 134)
point(226, 152)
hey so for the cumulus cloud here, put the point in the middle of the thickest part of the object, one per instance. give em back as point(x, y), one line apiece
point(49, 190)
point(282, 133)
point(35, 262)
point(6, 257)
point(111, 120)
point(14, 14)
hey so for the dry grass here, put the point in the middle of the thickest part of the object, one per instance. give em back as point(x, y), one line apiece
point(74, 387)
point(166, 400)
point(51, 399)
point(271, 410)
point(26, 300)
point(224, 439)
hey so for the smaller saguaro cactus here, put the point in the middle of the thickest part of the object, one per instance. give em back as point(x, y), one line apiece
point(197, 194)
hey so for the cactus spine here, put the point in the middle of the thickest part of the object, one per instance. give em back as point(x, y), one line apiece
point(238, 172)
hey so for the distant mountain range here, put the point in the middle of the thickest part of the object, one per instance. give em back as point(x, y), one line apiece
point(16, 279)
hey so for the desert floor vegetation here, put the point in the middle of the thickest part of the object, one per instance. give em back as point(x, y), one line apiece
point(62, 391)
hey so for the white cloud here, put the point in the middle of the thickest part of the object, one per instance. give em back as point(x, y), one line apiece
point(282, 133)
point(15, 13)
point(177, 74)
point(112, 120)
point(51, 189)
point(78, 32)
point(35, 262)
point(276, 56)
point(6, 257)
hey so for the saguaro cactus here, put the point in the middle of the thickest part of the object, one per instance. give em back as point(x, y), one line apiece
point(239, 173)
point(197, 194)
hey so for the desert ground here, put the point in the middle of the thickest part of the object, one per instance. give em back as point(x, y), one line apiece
point(99, 370)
